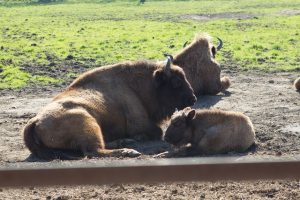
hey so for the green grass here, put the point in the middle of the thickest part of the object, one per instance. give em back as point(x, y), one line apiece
point(13, 77)
point(52, 37)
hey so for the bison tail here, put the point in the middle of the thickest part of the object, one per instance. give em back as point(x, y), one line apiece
point(225, 83)
point(38, 149)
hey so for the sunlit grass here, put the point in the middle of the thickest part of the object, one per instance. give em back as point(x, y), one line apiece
point(94, 33)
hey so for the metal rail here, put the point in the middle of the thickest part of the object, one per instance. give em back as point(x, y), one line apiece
point(151, 171)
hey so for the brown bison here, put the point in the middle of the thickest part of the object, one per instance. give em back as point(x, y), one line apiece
point(108, 103)
point(202, 70)
point(297, 84)
point(211, 131)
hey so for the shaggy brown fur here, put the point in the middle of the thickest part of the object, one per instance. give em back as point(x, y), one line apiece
point(297, 84)
point(108, 103)
point(200, 67)
point(211, 131)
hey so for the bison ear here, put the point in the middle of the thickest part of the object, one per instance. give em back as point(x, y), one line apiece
point(190, 115)
point(159, 78)
point(214, 51)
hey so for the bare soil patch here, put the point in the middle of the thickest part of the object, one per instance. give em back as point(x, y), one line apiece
point(237, 15)
point(225, 15)
point(269, 99)
point(289, 12)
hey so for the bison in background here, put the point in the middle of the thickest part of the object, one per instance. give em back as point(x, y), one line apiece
point(108, 103)
point(297, 84)
point(202, 70)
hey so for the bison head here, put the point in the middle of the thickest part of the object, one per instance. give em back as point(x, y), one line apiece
point(213, 49)
point(173, 89)
point(180, 130)
point(198, 62)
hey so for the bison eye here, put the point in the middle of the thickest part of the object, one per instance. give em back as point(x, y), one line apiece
point(176, 82)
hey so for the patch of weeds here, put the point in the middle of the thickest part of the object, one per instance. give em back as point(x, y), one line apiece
point(13, 77)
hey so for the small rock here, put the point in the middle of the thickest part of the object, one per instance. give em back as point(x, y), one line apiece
point(271, 81)
point(174, 191)
point(51, 64)
point(95, 195)
point(279, 153)
point(69, 57)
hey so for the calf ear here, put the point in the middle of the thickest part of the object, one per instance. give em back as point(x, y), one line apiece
point(159, 78)
point(190, 115)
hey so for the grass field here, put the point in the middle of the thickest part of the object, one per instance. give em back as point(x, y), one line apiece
point(51, 43)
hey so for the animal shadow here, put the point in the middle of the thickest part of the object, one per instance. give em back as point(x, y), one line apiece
point(149, 147)
point(207, 101)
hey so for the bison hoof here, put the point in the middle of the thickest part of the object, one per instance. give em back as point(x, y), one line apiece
point(165, 154)
point(129, 152)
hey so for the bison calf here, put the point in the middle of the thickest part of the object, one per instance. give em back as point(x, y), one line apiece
point(202, 70)
point(105, 104)
point(211, 131)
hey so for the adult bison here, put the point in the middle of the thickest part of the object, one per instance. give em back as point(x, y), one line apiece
point(108, 103)
point(202, 70)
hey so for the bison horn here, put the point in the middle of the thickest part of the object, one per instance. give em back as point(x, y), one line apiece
point(220, 45)
point(169, 56)
point(168, 64)
point(184, 45)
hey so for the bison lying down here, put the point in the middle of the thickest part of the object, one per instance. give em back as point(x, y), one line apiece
point(211, 131)
point(108, 103)
point(201, 69)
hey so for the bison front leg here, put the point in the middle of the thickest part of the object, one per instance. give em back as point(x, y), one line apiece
point(187, 151)
point(113, 153)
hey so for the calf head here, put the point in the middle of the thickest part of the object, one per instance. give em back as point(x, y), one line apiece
point(173, 89)
point(180, 130)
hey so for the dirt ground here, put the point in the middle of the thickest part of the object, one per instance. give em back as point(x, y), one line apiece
point(269, 99)
point(237, 15)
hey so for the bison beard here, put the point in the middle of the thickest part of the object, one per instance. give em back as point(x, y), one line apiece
point(108, 103)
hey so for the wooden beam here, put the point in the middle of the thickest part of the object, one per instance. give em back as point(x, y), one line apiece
point(151, 171)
